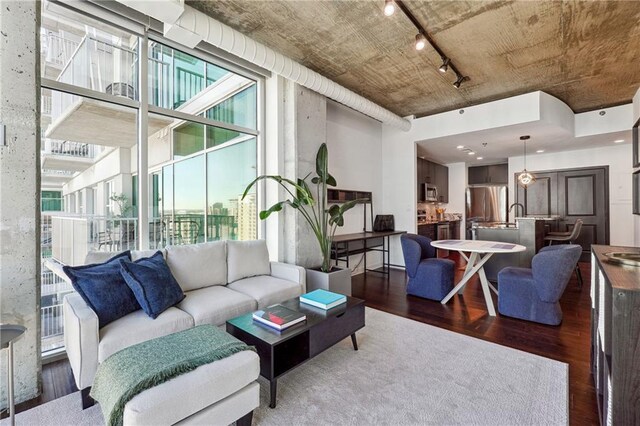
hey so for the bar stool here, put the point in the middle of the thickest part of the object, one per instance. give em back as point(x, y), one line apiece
point(8, 334)
point(568, 238)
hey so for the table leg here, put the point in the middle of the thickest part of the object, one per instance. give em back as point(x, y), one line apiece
point(487, 294)
point(471, 261)
point(467, 276)
point(354, 341)
point(273, 385)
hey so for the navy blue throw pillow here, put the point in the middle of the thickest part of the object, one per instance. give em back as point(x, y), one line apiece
point(153, 284)
point(101, 285)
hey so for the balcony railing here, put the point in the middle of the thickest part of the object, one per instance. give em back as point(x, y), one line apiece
point(52, 321)
point(58, 50)
point(69, 148)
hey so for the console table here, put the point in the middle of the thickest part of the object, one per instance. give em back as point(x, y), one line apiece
point(615, 336)
point(343, 246)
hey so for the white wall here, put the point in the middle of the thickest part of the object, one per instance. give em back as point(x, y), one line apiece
point(457, 186)
point(617, 157)
point(355, 160)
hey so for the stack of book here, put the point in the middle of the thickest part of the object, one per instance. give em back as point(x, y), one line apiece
point(278, 317)
point(323, 299)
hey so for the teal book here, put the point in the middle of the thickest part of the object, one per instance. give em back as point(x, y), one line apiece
point(323, 299)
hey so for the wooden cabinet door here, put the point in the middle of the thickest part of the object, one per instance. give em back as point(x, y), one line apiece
point(429, 172)
point(541, 198)
point(442, 182)
point(478, 175)
point(420, 179)
point(571, 195)
point(583, 194)
point(498, 173)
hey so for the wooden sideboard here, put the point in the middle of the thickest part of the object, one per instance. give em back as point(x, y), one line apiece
point(615, 336)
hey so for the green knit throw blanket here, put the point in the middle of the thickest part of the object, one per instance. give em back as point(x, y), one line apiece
point(137, 368)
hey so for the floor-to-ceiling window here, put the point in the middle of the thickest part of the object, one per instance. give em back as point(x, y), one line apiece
point(201, 148)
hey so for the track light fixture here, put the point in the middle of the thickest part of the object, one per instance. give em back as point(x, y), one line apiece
point(461, 79)
point(389, 7)
point(423, 37)
point(445, 65)
point(421, 41)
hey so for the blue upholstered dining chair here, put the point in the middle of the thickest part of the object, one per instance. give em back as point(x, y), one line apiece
point(429, 277)
point(533, 294)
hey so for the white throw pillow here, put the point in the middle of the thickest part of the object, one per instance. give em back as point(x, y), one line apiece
point(198, 265)
point(247, 259)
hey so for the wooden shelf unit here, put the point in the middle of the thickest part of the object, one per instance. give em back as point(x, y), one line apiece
point(615, 336)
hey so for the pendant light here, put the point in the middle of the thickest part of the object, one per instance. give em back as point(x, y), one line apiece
point(525, 178)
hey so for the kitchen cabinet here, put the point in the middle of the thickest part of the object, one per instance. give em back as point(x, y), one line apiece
point(442, 182)
point(493, 174)
point(435, 174)
point(428, 230)
point(454, 230)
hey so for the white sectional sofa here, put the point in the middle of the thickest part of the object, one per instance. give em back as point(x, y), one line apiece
point(221, 280)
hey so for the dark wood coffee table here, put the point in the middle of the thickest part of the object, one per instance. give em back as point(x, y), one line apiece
point(280, 352)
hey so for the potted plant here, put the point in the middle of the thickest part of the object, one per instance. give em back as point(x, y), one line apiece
point(323, 219)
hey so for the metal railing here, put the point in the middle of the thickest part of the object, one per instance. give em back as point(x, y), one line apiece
point(52, 321)
point(45, 105)
point(58, 50)
point(99, 66)
point(69, 148)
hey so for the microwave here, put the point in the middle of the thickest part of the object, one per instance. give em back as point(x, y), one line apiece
point(430, 192)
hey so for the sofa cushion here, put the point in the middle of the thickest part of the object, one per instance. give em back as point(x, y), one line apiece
point(190, 393)
point(137, 327)
point(152, 283)
point(267, 290)
point(198, 265)
point(99, 256)
point(247, 259)
point(216, 304)
point(139, 254)
point(103, 288)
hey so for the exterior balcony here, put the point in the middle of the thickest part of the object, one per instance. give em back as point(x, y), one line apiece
point(55, 179)
point(67, 156)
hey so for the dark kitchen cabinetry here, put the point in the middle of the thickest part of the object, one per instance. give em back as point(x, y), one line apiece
point(434, 174)
point(493, 174)
point(428, 231)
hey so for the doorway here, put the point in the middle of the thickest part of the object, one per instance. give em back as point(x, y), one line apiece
point(570, 195)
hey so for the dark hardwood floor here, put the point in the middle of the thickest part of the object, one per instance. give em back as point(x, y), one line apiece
point(569, 342)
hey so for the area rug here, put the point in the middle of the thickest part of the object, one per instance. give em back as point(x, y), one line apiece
point(406, 373)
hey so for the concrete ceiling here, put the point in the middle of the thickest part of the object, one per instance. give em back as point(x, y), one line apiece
point(585, 53)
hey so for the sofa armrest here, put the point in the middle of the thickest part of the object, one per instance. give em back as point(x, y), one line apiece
point(81, 338)
point(56, 267)
point(290, 272)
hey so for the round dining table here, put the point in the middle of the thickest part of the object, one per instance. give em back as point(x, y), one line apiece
point(480, 252)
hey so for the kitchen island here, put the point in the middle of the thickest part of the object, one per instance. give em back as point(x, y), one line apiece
point(526, 231)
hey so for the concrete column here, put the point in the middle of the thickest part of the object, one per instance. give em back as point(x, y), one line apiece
point(20, 190)
point(305, 129)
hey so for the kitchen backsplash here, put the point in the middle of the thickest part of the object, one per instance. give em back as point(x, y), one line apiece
point(430, 213)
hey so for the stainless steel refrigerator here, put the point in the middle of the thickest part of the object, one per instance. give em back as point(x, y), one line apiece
point(486, 203)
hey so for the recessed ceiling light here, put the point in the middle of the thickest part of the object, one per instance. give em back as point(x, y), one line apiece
point(479, 158)
point(540, 151)
point(421, 41)
point(460, 147)
point(618, 141)
point(389, 7)
point(471, 153)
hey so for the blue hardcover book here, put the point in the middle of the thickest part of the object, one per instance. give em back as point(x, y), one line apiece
point(323, 299)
